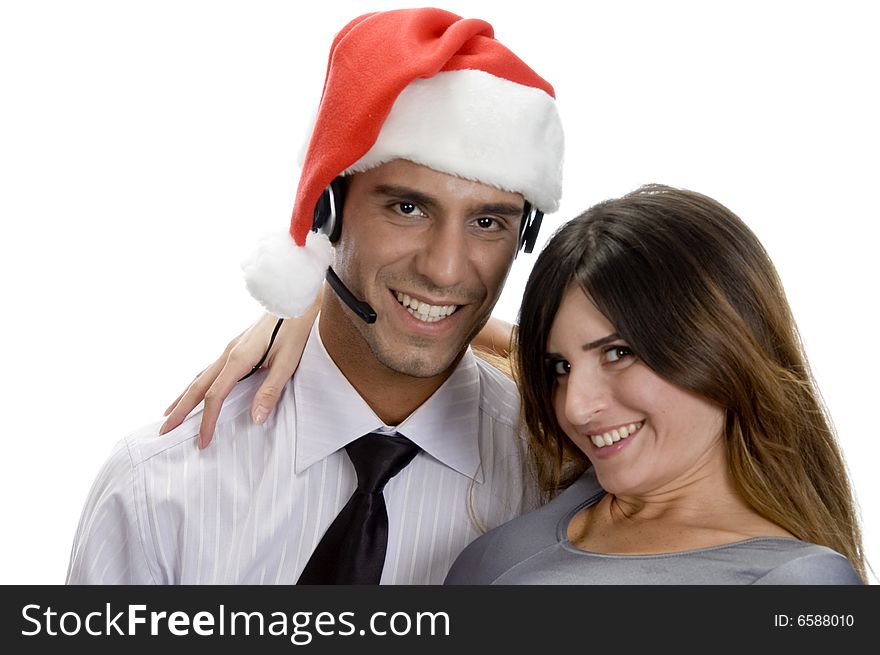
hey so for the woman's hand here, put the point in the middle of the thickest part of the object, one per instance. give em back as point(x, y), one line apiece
point(238, 359)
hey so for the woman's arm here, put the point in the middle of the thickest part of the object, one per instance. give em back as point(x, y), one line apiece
point(495, 337)
point(238, 359)
point(241, 354)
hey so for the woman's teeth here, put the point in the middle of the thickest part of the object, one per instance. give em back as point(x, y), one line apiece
point(422, 310)
point(613, 436)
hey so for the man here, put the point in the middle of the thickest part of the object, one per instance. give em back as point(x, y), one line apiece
point(393, 447)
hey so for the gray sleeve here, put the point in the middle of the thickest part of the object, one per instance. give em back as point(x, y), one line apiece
point(478, 562)
point(825, 567)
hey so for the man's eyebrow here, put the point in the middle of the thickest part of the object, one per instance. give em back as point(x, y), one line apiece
point(422, 199)
point(405, 193)
point(502, 209)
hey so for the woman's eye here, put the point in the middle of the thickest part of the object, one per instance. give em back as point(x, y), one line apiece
point(560, 367)
point(616, 353)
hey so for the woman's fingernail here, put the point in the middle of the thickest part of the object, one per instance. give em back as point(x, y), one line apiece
point(260, 414)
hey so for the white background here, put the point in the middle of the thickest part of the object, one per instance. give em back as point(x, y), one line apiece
point(144, 146)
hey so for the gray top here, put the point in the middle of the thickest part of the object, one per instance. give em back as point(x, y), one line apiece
point(534, 549)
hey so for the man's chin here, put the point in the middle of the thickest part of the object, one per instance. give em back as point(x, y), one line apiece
point(419, 364)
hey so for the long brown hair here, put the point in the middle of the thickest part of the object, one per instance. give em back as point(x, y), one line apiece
point(691, 289)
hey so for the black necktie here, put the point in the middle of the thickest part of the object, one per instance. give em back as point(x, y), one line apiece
point(352, 551)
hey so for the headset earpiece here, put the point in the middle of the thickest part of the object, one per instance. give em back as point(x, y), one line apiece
point(328, 210)
point(531, 225)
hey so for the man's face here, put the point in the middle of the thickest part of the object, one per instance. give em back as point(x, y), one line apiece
point(430, 253)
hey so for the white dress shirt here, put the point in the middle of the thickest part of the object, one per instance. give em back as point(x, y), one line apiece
point(251, 508)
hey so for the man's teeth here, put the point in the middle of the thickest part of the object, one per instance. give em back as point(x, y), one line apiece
point(613, 436)
point(422, 310)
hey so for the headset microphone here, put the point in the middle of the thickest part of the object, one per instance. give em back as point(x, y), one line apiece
point(359, 307)
point(328, 219)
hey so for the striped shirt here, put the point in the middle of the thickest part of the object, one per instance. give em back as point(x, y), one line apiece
point(251, 508)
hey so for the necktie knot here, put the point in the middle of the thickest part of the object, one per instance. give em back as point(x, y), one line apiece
point(379, 457)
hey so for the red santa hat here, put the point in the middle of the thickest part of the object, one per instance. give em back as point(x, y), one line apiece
point(424, 85)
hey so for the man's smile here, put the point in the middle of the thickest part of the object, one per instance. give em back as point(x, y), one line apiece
point(423, 311)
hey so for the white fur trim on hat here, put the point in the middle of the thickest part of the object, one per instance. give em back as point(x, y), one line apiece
point(285, 278)
point(477, 126)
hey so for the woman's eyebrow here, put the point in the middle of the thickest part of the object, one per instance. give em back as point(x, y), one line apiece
point(587, 346)
point(600, 342)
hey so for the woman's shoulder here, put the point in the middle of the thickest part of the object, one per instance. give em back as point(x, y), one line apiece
point(495, 552)
point(795, 562)
point(541, 527)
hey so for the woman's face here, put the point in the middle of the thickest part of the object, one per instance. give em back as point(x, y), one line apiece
point(644, 435)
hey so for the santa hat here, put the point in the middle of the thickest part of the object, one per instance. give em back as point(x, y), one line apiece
point(423, 85)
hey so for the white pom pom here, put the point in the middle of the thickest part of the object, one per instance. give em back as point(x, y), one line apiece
point(285, 278)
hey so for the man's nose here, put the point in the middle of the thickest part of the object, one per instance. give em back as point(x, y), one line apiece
point(444, 258)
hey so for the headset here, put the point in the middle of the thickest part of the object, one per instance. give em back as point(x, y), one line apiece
point(327, 219)
point(529, 228)
point(328, 210)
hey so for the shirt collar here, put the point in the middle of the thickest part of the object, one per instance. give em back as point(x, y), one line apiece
point(331, 414)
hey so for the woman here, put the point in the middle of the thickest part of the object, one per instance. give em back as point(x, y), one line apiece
point(666, 391)
point(669, 401)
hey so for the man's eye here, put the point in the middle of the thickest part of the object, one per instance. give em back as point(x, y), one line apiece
point(616, 353)
point(408, 209)
point(487, 223)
